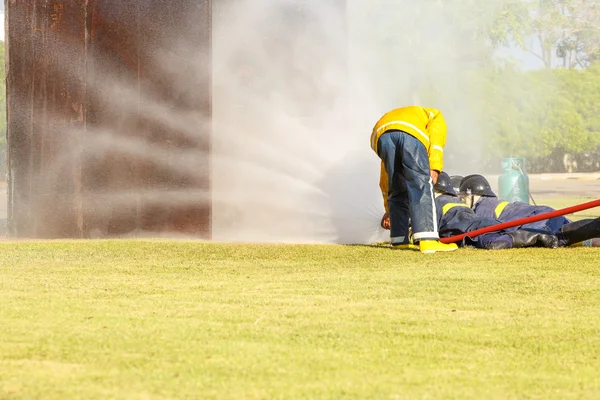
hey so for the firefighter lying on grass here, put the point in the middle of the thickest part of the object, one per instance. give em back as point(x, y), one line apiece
point(475, 190)
point(454, 217)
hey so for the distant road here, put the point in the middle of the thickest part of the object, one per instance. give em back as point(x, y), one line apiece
point(559, 185)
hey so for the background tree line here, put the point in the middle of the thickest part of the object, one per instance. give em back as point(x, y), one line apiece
point(463, 57)
point(553, 116)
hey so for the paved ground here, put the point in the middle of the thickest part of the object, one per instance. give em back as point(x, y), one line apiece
point(560, 185)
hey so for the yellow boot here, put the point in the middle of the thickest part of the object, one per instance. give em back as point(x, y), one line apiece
point(433, 246)
point(408, 246)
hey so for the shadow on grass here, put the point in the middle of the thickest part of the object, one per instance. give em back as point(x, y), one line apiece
point(381, 245)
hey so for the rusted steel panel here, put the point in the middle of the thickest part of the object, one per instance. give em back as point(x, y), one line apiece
point(110, 161)
point(107, 134)
point(175, 113)
point(45, 97)
point(19, 80)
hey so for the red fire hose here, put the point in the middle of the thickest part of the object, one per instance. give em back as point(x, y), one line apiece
point(522, 221)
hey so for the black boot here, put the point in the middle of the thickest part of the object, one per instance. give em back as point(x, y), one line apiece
point(524, 238)
point(579, 231)
point(498, 245)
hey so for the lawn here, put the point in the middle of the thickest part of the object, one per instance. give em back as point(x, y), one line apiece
point(560, 203)
point(190, 320)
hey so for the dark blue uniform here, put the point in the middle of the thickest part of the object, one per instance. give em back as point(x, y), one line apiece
point(455, 218)
point(410, 188)
point(492, 207)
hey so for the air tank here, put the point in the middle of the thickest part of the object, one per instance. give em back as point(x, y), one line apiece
point(513, 184)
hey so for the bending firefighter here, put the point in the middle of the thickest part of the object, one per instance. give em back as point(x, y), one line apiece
point(478, 195)
point(410, 142)
point(456, 218)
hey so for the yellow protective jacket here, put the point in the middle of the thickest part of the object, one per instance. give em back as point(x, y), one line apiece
point(426, 124)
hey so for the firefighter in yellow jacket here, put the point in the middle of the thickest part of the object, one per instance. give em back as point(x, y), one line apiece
point(410, 142)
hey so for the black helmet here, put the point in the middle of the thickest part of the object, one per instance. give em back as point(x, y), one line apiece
point(476, 184)
point(444, 184)
point(456, 182)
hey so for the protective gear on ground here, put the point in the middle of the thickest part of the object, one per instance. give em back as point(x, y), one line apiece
point(568, 232)
point(492, 207)
point(475, 185)
point(444, 184)
point(456, 218)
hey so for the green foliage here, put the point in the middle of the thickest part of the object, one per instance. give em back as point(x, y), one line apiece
point(450, 45)
point(533, 113)
point(510, 23)
point(560, 32)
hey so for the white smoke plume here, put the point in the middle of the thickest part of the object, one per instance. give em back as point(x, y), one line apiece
point(298, 86)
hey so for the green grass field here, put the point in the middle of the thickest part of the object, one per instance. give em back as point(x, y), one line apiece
point(560, 203)
point(189, 320)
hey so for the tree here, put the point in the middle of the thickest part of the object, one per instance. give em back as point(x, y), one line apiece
point(580, 42)
point(561, 33)
point(537, 113)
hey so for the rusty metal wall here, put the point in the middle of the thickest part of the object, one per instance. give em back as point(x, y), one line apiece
point(109, 109)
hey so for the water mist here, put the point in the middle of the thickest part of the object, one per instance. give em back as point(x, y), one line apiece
point(297, 89)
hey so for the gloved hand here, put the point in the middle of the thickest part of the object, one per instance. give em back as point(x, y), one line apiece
point(434, 175)
point(385, 221)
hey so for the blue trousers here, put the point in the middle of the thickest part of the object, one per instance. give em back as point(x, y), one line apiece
point(410, 187)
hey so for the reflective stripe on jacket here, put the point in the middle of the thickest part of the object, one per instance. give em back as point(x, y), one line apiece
point(455, 217)
point(425, 124)
point(492, 207)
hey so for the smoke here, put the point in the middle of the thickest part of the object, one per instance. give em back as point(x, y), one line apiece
point(298, 87)
point(289, 163)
